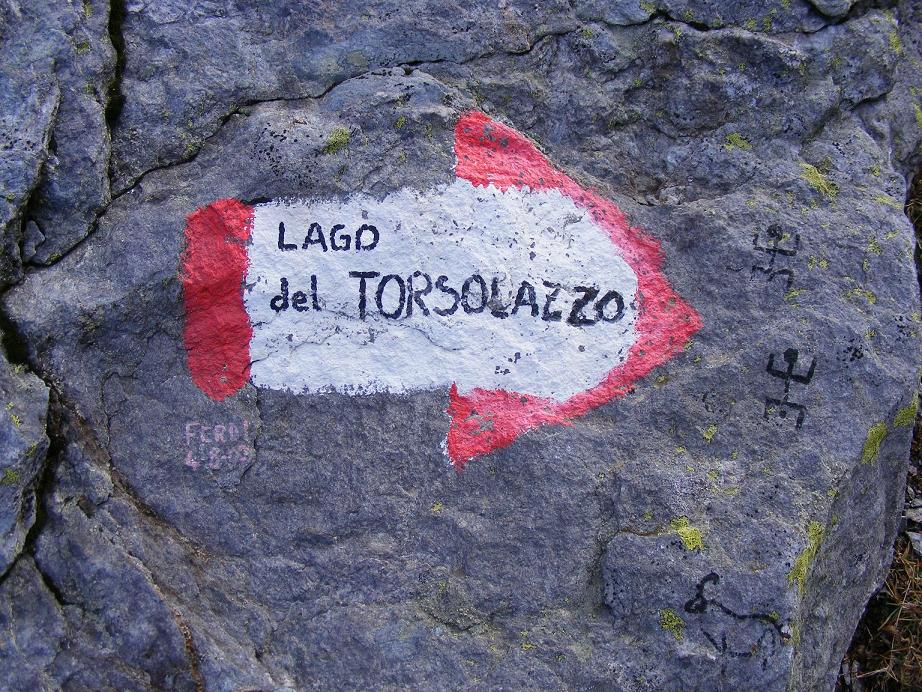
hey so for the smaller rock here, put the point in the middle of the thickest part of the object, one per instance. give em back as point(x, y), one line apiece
point(31, 239)
point(833, 8)
point(916, 540)
point(914, 514)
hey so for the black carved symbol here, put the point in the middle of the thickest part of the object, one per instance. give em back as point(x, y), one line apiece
point(759, 633)
point(788, 375)
point(773, 249)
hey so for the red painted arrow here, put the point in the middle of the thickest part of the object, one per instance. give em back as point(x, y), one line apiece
point(218, 331)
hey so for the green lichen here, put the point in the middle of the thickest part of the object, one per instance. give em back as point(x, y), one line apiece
point(83, 47)
point(10, 477)
point(818, 181)
point(876, 435)
point(87, 9)
point(736, 141)
point(875, 170)
point(437, 507)
point(918, 113)
point(895, 43)
point(905, 417)
point(337, 141)
point(647, 7)
point(858, 292)
point(688, 534)
point(888, 201)
point(793, 293)
point(874, 247)
point(401, 122)
point(670, 621)
point(798, 573)
point(795, 634)
point(587, 33)
point(708, 433)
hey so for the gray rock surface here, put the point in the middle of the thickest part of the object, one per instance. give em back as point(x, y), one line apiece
point(685, 536)
point(23, 446)
point(57, 67)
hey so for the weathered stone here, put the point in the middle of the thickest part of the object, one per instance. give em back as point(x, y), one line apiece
point(721, 526)
point(75, 180)
point(26, 118)
point(23, 445)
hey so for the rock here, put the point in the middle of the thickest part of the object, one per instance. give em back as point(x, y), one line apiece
point(26, 116)
point(916, 540)
point(73, 40)
point(23, 445)
point(33, 624)
point(717, 522)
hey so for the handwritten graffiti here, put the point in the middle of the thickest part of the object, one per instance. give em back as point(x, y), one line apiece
point(784, 405)
point(774, 250)
point(218, 445)
point(738, 635)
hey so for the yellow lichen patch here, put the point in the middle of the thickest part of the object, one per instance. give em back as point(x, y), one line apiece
point(437, 507)
point(888, 201)
point(670, 621)
point(818, 181)
point(918, 113)
point(895, 43)
point(736, 141)
point(905, 417)
point(874, 247)
point(798, 573)
point(793, 293)
point(10, 477)
point(858, 292)
point(872, 443)
point(708, 433)
point(337, 141)
point(688, 534)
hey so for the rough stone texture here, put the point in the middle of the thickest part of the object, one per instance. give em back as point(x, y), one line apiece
point(23, 446)
point(675, 538)
point(59, 57)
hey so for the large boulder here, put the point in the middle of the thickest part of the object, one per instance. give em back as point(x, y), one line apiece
point(713, 515)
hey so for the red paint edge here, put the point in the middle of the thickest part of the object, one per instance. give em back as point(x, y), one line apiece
point(482, 421)
point(214, 265)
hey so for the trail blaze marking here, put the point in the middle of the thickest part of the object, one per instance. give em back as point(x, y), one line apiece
point(531, 299)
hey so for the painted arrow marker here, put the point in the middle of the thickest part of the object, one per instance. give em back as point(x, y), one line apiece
point(529, 298)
